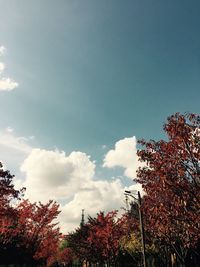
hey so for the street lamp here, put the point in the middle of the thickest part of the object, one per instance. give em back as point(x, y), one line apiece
point(139, 201)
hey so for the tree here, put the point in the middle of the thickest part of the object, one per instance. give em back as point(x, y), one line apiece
point(131, 243)
point(171, 181)
point(77, 242)
point(65, 254)
point(37, 232)
point(104, 235)
point(27, 230)
point(98, 241)
point(7, 194)
point(8, 214)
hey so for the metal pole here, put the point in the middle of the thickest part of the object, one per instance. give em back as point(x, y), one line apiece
point(142, 230)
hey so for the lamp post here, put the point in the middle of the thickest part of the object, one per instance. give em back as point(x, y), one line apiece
point(139, 201)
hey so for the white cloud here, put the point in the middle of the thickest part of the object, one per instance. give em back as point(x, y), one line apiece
point(52, 174)
point(99, 196)
point(2, 50)
point(2, 67)
point(6, 84)
point(124, 155)
point(69, 179)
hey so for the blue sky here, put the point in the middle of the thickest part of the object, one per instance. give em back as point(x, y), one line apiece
point(91, 73)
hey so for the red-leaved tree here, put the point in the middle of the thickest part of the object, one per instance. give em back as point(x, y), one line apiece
point(171, 181)
point(37, 231)
point(104, 236)
point(98, 241)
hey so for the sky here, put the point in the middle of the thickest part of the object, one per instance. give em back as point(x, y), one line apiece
point(81, 82)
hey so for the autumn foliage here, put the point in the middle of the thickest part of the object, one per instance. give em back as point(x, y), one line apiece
point(170, 178)
point(98, 241)
point(171, 181)
point(171, 205)
point(27, 231)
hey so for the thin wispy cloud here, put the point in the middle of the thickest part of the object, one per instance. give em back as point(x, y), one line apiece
point(14, 149)
point(8, 139)
point(6, 83)
point(2, 50)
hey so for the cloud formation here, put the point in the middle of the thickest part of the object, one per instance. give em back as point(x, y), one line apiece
point(6, 83)
point(69, 179)
point(52, 174)
point(124, 155)
point(97, 196)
